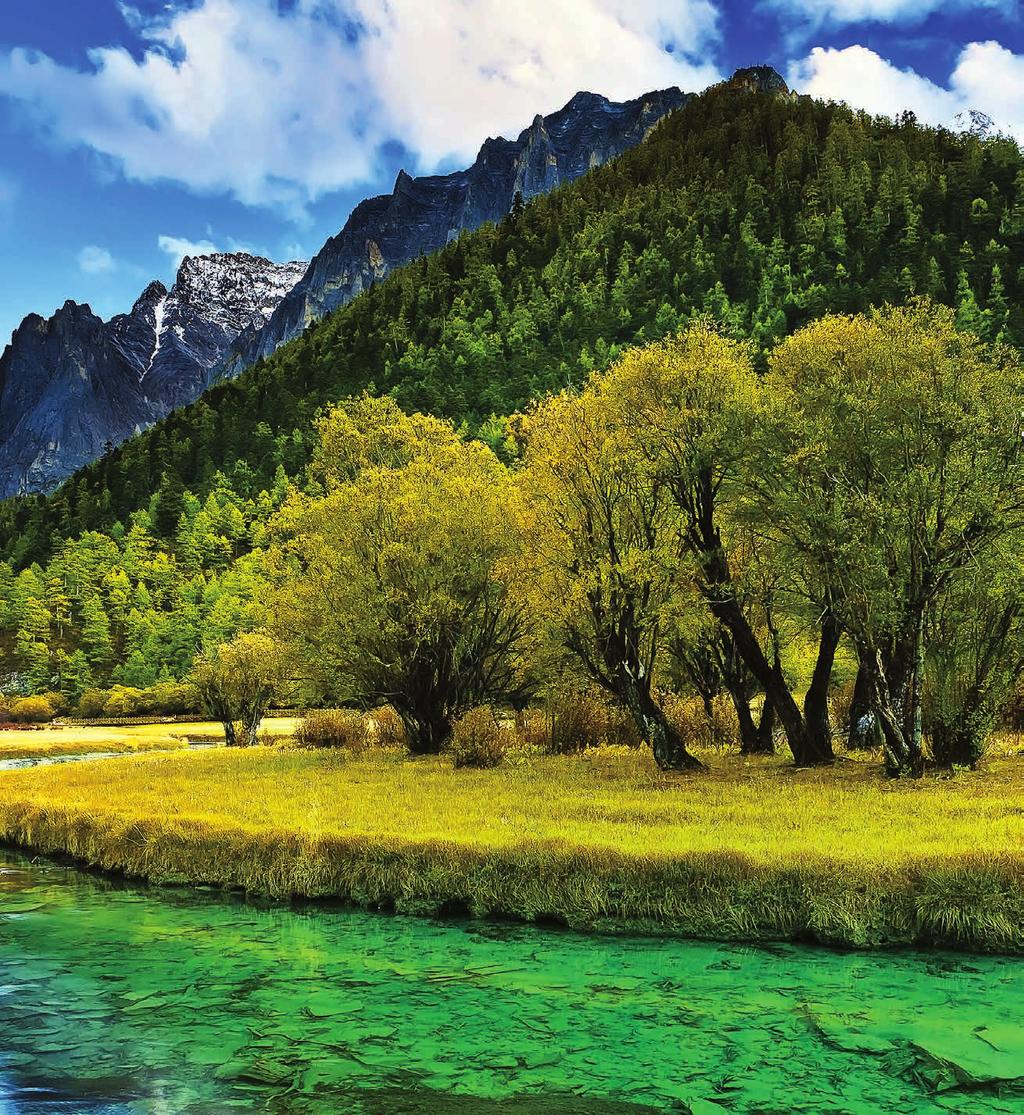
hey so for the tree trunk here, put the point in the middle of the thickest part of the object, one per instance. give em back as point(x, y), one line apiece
point(427, 732)
point(748, 729)
point(894, 700)
point(251, 721)
point(863, 731)
point(816, 711)
point(756, 738)
point(810, 747)
point(665, 742)
point(230, 739)
point(917, 692)
point(765, 742)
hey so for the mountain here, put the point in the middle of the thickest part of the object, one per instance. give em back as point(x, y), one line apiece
point(761, 208)
point(224, 312)
point(421, 215)
point(72, 385)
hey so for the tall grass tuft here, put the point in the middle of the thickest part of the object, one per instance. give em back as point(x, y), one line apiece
point(480, 740)
point(342, 728)
point(596, 840)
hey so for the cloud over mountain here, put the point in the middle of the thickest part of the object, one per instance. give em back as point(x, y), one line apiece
point(278, 105)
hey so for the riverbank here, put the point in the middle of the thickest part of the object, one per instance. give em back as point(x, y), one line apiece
point(751, 850)
point(77, 739)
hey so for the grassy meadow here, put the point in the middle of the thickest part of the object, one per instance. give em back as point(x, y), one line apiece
point(73, 739)
point(749, 850)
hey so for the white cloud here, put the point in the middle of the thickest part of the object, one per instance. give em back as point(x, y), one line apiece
point(987, 77)
point(449, 73)
point(819, 12)
point(177, 247)
point(94, 260)
point(278, 105)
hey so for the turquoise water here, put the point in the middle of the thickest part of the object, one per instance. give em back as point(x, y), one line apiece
point(118, 999)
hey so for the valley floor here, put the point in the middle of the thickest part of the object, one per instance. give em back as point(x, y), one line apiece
point(73, 739)
point(750, 850)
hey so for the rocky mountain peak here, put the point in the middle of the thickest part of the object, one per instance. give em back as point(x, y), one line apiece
point(758, 79)
point(977, 123)
point(71, 385)
point(149, 297)
point(421, 215)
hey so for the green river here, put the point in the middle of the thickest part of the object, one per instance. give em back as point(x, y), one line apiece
point(118, 998)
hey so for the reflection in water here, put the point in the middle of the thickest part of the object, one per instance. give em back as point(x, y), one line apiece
point(122, 999)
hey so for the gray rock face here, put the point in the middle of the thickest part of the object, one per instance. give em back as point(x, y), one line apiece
point(73, 385)
point(422, 214)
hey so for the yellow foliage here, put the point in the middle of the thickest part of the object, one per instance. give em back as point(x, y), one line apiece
point(748, 849)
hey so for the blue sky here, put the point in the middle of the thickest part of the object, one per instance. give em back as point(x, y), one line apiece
point(132, 132)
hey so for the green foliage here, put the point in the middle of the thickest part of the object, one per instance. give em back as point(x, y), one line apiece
point(165, 698)
point(763, 211)
point(237, 681)
point(31, 710)
point(130, 609)
point(395, 569)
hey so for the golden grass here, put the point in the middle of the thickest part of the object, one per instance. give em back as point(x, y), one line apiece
point(53, 742)
point(749, 850)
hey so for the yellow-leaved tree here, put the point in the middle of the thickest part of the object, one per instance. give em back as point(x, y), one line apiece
point(602, 559)
point(395, 565)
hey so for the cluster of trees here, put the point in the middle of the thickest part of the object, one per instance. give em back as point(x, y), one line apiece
point(683, 520)
point(683, 515)
point(765, 212)
point(129, 608)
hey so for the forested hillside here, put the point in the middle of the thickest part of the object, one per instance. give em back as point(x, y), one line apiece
point(764, 210)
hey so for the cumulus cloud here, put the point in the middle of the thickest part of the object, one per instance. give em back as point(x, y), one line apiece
point(94, 260)
point(987, 77)
point(819, 12)
point(277, 105)
point(450, 73)
point(177, 247)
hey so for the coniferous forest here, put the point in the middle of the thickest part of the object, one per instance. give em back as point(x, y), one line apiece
point(762, 212)
point(646, 564)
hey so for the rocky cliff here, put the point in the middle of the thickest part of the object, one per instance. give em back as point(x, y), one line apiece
point(73, 384)
point(421, 215)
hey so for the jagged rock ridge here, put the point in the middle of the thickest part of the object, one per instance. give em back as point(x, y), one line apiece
point(422, 214)
point(74, 384)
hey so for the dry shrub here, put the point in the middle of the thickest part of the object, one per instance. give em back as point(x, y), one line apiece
point(333, 727)
point(840, 699)
point(479, 740)
point(31, 710)
point(384, 728)
point(582, 719)
point(533, 727)
point(690, 719)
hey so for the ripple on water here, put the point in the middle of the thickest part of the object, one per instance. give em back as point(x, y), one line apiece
point(115, 998)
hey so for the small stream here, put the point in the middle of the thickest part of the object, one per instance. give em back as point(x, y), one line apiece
point(116, 998)
point(53, 760)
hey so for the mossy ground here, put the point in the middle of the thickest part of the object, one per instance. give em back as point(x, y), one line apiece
point(749, 850)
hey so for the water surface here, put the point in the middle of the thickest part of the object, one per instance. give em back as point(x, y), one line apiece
point(125, 999)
